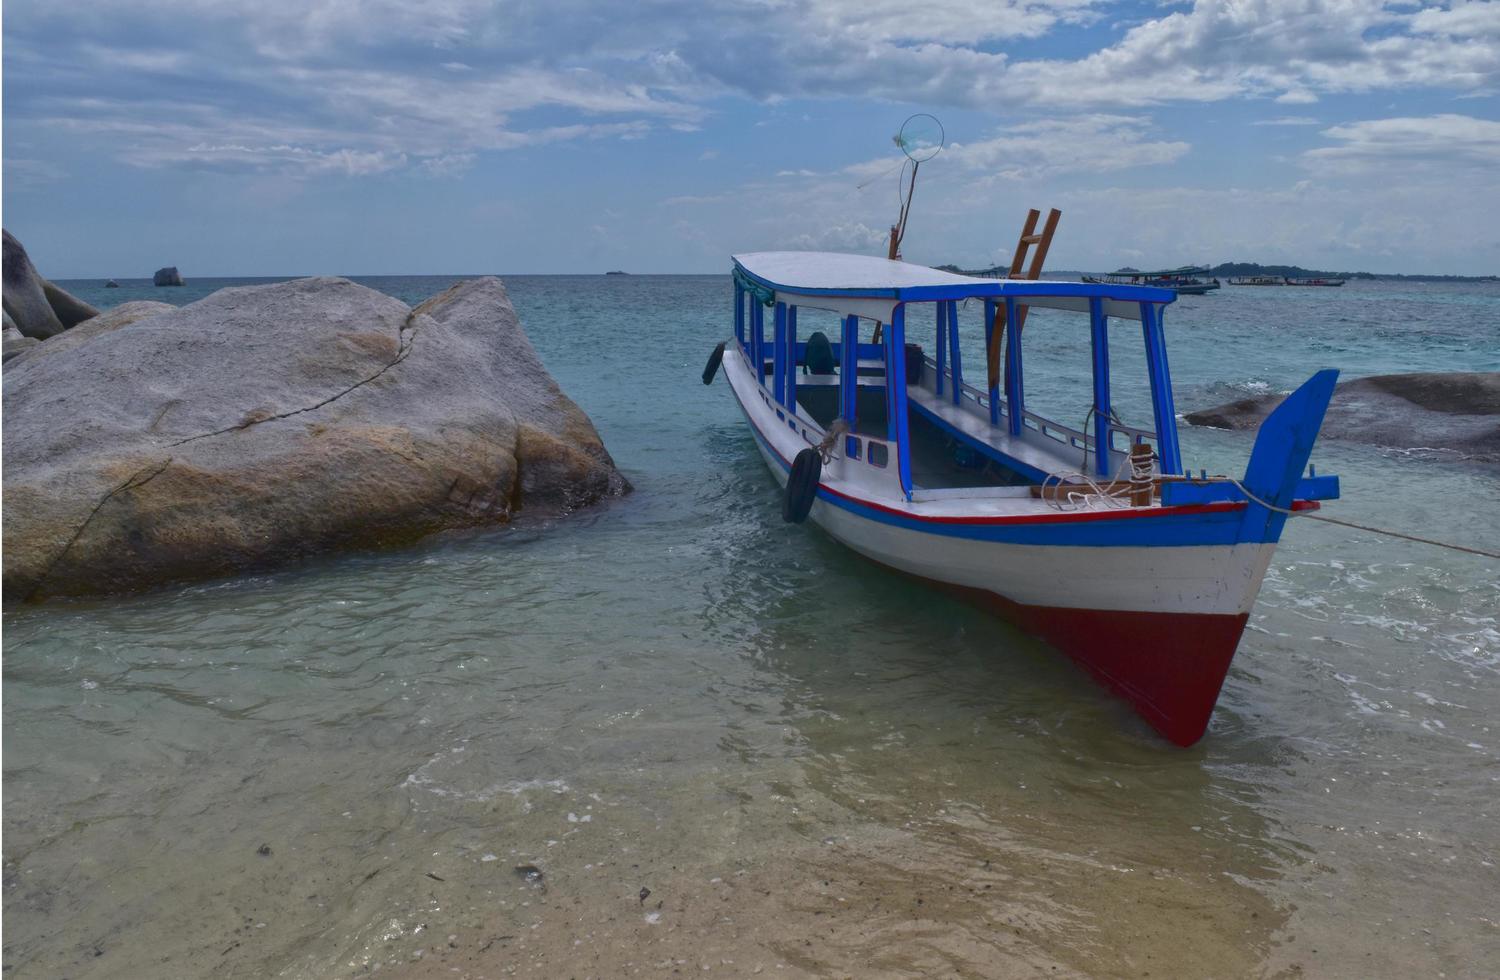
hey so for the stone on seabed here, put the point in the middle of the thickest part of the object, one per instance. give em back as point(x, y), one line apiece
point(266, 423)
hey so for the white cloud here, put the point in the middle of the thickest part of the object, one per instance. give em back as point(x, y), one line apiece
point(370, 82)
point(1287, 121)
point(1295, 49)
point(1431, 146)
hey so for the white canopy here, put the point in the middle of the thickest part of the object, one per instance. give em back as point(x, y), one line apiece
point(812, 272)
point(869, 287)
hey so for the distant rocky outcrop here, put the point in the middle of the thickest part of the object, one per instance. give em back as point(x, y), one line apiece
point(167, 277)
point(265, 423)
point(111, 284)
point(34, 306)
point(1457, 412)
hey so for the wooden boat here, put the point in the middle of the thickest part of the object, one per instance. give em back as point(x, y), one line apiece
point(1315, 281)
point(1097, 541)
point(1186, 281)
point(1257, 281)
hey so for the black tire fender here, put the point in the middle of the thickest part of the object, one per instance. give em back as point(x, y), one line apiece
point(802, 486)
point(714, 360)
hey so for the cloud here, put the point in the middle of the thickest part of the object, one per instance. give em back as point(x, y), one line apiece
point(355, 88)
point(847, 237)
point(1434, 147)
point(1287, 121)
point(1293, 49)
point(1080, 144)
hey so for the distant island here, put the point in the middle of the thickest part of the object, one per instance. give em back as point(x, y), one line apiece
point(1256, 269)
point(616, 272)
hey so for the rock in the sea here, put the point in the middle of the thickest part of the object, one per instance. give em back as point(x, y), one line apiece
point(266, 423)
point(167, 277)
point(1457, 412)
point(111, 285)
point(25, 300)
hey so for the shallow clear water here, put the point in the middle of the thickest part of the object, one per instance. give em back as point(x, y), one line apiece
point(810, 763)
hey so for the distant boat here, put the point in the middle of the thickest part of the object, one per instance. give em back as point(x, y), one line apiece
point(1186, 281)
point(1258, 281)
point(1316, 281)
point(616, 272)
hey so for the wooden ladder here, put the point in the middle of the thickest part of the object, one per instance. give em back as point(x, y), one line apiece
point(1029, 238)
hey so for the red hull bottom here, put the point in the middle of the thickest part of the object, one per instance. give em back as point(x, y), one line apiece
point(1169, 666)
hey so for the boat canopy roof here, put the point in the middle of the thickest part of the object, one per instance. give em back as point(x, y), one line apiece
point(836, 280)
point(1186, 270)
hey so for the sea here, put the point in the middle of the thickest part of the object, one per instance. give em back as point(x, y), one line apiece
point(672, 735)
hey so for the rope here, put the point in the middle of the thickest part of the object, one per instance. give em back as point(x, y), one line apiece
point(1361, 527)
point(759, 293)
point(840, 427)
point(1112, 494)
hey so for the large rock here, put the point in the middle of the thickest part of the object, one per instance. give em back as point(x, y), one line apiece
point(15, 343)
point(1458, 412)
point(167, 277)
point(24, 298)
point(70, 310)
point(33, 305)
point(112, 319)
point(270, 422)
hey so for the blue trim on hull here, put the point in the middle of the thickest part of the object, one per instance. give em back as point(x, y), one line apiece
point(1201, 528)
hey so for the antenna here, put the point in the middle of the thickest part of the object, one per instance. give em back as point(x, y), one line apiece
point(921, 138)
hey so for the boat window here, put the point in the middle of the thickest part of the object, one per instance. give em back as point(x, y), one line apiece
point(880, 454)
point(851, 447)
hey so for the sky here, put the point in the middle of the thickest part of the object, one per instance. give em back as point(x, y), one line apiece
point(288, 137)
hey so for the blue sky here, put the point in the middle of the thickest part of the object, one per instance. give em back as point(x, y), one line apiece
point(467, 136)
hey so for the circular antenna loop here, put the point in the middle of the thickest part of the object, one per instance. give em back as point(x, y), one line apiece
point(921, 137)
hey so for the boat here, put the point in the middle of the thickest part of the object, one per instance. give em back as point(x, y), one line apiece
point(1095, 538)
point(1185, 281)
point(1257, 281)
point(1315, 281)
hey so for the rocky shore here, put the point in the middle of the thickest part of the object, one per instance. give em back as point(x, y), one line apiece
point(155, 444)
point(1457, 412)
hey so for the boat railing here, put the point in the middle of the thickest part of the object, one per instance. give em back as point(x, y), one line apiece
point(879, 454)
point(1067, 435)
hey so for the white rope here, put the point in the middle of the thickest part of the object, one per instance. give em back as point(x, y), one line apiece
point(825, 448)
point(1359, 527)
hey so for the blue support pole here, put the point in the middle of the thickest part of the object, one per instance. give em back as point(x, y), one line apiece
point(739, 315)
point(778, 361)
point(942, 348)
point(1162, 404)
point(990, 309)
point(958, 361)
point(895, 386)
point(758, 339)
point(849, 370)
point(1015, 397)
point(1099, 333)
point(791, 358)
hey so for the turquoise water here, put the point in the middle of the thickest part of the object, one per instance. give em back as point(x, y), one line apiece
point(811, 764)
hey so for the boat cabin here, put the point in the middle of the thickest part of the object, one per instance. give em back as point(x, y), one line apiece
point(928, 425)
